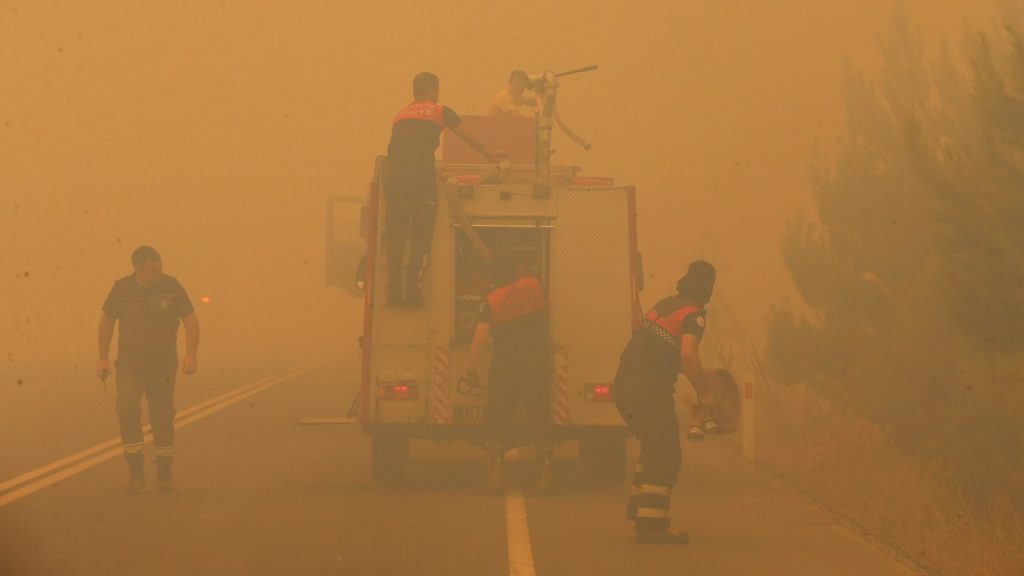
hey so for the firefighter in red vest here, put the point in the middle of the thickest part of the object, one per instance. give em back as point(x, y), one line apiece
point(516, 315)
point(666, 343)
point(410, 184)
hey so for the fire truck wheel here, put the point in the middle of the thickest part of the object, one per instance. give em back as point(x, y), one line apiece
point(389, 453)
point(605, 454)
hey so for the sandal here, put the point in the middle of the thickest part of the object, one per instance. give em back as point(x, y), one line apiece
point(695, 433)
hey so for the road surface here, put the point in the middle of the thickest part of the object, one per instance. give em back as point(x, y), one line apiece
point(258, 493)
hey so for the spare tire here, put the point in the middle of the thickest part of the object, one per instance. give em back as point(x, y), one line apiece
point(727, 409)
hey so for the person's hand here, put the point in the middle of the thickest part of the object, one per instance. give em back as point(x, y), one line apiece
point(586, 146)
point(189, 364)
point(102, 369)
point(498, 156)
point(503, 167)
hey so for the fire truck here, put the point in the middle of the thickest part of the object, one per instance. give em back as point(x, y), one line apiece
point(577, 233)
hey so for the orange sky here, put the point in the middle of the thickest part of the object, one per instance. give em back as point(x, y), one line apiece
point(214, 130)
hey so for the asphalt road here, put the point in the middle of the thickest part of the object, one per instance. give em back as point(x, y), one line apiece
point(258, 493)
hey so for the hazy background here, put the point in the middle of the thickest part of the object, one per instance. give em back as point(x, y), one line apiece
point(214, 130)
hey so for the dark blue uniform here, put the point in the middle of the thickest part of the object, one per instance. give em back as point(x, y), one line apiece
point(643, 390)
point(410, 188)
point(147, 359)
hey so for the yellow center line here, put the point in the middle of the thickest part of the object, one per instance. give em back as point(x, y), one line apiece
point(80, 461)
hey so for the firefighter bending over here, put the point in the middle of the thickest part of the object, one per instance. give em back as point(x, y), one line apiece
point(667, 343)
point(516, 314)
point(149, 305)
point(517, 100)
point(410, 184)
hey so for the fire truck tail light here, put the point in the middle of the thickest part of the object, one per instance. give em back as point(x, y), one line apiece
point(400, 391)
point(598, 392)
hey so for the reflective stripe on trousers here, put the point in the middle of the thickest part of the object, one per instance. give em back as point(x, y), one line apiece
point(652, 512)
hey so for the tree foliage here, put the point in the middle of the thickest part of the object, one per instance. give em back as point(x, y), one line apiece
point(913, 263)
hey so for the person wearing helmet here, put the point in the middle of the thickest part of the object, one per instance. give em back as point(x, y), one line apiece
point(666, 343)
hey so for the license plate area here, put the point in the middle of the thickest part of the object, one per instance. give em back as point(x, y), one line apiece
point(469, 414)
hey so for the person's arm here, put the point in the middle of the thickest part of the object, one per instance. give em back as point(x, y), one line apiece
point(498, 105)
point(476, 349)
point(690, 364)
point(190, 364)
point(105, 333)
point(477, 145)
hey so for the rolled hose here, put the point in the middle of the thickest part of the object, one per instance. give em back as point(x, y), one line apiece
point(726, 410)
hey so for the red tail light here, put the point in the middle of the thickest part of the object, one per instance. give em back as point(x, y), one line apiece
point(400, 391)
point(598, 392)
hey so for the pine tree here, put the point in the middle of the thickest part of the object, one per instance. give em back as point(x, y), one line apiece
point(914, 260)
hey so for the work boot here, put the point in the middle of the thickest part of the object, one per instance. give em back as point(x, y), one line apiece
point(631, 504)
point(496, 476)
point(165, 480)
point(634, 492)
point(711, 426)
point(662, 536)
point(695, 433)
point(136, 486)
point(137, 481)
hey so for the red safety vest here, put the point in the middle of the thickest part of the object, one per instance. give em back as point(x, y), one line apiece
point(670, 326)
point(517, 299)
point(422, 110)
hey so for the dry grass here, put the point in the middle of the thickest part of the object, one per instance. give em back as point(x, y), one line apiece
point(911, 504)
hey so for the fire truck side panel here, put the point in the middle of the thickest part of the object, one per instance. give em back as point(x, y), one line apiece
point(591, 294)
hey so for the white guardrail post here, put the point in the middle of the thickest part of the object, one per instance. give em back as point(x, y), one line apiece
point(748, 416)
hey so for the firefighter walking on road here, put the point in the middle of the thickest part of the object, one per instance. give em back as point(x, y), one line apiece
point(148, 306)
point(666, 343)
point(516, 314)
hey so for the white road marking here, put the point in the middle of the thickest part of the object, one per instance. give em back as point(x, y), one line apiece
point(69, 466)
point(517, 531)
point(113, 442)
point(520, 552)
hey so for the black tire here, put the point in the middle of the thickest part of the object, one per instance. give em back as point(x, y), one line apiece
point(389, 454)
point(605, 454)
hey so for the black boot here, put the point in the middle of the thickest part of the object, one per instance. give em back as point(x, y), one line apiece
point(165, 480)
point(662, 536)
point(634, 492)
point(137, 479)
point(413, 294)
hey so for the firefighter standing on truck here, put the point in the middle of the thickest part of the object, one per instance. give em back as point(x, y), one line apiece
point(516, 314)
point(667, 343)
point(148, 304)
point(410, 185)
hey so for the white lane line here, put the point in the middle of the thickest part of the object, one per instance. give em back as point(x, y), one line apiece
point(111, 448)
point(520, 552)
point(517, 529)
point(113, 442)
